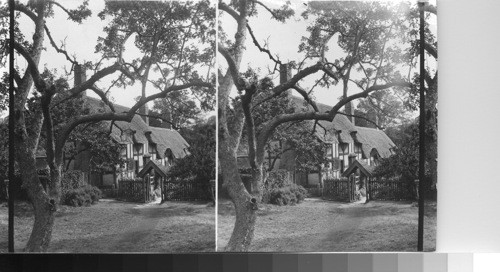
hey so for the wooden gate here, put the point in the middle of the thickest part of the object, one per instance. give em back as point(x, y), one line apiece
point(352, 188)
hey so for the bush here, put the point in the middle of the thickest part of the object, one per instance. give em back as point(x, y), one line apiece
point(289, 195)
point(71, 180)
point(83, 196)
point(277, 179)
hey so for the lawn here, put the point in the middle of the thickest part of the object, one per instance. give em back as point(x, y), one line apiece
point(327, 226)
point(115, 226)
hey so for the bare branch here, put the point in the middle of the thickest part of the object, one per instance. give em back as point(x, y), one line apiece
point(306, 97)
point(76, 90)
point(103, 97)
point(360, 117)
point(59, 50)
point(278, 90)
point(261, 49)
point(159, 118)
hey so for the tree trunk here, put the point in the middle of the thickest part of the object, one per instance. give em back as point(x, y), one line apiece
point(244, 203)
point(43, 205)
point(42, 229)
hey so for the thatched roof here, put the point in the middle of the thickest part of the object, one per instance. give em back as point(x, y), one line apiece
point(368, 138)
point(373, 139)
point(169, 139)
point(142, 133)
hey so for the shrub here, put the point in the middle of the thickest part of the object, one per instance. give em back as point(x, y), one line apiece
point(289, 195)
point(277, 179)
point(72, 179)
point(83, 196)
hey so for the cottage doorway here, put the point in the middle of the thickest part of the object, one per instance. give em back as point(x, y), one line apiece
point(154, 177)
point(359, 175)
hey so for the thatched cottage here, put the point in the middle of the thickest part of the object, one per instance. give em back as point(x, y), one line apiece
point(140, 143)
point(346, 143)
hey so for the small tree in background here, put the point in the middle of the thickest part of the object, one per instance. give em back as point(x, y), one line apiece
point(199, 165)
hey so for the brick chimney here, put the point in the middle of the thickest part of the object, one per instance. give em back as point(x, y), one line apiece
point(144, 111)
point(348, 109)
point(285, 72)
point(80, 76)
point(167, 124)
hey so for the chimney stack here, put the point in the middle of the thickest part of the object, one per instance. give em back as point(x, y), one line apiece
point(285, 72)
point(144, 111)
point(167, 124)
point(80, 76)
point(348, 109)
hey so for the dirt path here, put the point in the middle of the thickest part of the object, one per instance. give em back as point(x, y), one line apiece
point(326, 226)
point(147, 217)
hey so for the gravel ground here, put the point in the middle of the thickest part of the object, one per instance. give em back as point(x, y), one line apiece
point(115, 226)
point(326, 226)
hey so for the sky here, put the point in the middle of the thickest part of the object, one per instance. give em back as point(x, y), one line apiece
point(283, 39)
point(80, 41)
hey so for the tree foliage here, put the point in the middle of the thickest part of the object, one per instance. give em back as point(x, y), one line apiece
point(199, 165)
point(177, 109)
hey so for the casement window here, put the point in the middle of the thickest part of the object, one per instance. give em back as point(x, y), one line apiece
point(329, 151)
point(357, 148)
point(123, 151)
point(138, 149)
point(152, 148)
point(343, 149)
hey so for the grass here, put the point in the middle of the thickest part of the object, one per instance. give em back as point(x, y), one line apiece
point(326, 226)
point(115, 226)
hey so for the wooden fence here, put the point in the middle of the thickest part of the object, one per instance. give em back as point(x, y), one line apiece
point(134, 190)
point(390, 190)
point(337, 189)
point(187, 191)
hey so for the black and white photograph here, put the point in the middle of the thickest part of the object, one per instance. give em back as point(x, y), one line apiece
point(324, 144)
point(114, 127)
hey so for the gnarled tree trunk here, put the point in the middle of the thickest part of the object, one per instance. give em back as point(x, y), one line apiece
point(44, 204)
point(244, 202)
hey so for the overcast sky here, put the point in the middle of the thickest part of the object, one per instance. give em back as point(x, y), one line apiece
point(80, 40)
point(283, 39)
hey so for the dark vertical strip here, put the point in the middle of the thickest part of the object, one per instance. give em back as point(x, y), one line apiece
point(421, 158)
point(260, 262)
point(11, 127)
point(337, 262)
point(285, 263)
point(310, 263)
